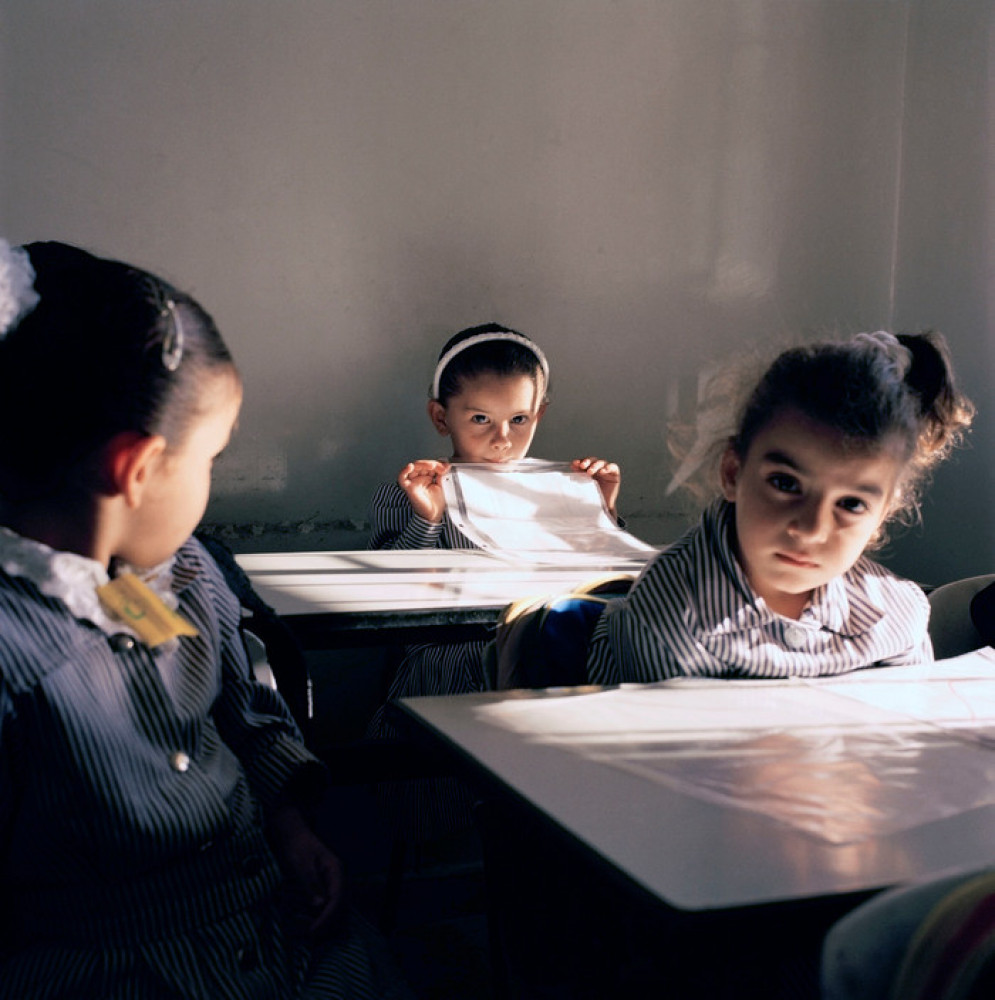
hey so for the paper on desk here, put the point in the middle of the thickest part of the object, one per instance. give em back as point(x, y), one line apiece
point(539, 511)
point(960, 693)
point(837, 758)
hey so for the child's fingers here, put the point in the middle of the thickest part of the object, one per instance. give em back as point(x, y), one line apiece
point(600, 469)
point(425, 471)
point(597, 468)
point(422, 482)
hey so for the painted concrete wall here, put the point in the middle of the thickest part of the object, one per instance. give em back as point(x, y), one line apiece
point(945, 263)
point(645, 186)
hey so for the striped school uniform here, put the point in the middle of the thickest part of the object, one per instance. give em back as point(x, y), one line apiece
point(427, 668)
point(133, 788)
point(424, 809)
point(693, 613)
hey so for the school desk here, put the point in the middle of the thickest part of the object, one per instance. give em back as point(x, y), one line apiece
point(380, 597)
point(716, 795)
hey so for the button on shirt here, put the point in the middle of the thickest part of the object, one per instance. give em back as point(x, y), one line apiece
point(692, 612)
point(794, 637)
point(122, 643)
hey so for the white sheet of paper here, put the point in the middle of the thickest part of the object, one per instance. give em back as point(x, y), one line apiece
point(539, 511)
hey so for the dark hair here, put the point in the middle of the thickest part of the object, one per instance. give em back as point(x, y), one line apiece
point(107, 348)
point(491, 357)
point(867, 392)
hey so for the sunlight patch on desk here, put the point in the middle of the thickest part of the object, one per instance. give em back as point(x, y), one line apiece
point(842, 759)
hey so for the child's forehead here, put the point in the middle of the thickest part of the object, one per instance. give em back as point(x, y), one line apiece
point(493, 388)
point(791, 432)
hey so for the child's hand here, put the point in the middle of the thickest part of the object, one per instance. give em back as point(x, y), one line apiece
point(606, 474)
point(313, 874)
point(422, 481)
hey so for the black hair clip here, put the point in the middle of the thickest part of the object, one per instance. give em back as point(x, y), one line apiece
point(172, 342)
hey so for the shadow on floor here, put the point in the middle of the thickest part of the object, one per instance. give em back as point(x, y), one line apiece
point(436, 926)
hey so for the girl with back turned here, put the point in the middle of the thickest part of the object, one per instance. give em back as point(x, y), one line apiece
point(153, 797)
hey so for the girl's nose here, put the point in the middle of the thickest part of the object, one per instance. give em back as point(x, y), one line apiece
point(502, 434)
point(811, 521)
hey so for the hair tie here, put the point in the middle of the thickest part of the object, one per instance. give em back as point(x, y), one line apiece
point(482, 338)
point(898, 355)
point(17, 286)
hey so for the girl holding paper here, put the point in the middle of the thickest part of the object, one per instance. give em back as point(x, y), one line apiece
point(488, 395)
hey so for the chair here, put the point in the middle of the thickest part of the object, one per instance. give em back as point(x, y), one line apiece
point(983, 613)
point(956, 609)
point(930, 939)
point(259, 659)
point(277, 658)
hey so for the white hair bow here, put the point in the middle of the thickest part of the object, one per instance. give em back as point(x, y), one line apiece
point(896, 352)
point(17, 291)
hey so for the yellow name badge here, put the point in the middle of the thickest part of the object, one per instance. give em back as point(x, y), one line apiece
point(129, 600)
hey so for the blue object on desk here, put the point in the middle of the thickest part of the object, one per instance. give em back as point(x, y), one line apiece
point(543, 643)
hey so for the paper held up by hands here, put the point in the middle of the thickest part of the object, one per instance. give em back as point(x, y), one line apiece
point(537, 511)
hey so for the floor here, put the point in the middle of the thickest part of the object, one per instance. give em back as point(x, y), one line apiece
point(434, 915)
point(436, 923)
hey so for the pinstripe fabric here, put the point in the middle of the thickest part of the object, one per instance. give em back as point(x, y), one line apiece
point(395, 525)
point(692, 612)
point(426, 669)
point(132, 784)
point(424, 809)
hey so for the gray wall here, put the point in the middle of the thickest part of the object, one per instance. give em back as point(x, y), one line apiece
point(646, 186)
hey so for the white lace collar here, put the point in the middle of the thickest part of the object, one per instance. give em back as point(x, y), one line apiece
point(73, 579)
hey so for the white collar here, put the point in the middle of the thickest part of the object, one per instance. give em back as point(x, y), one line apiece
point(73, 579)
point(843, 605)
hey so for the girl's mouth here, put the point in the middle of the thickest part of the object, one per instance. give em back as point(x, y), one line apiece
point(799, 561)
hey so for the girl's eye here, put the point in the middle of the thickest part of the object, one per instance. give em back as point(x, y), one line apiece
point(478, 418)
point(853, 505)
point(521, 418)
point(783, 483)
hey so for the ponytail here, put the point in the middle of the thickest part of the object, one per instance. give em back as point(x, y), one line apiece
point(945, 413)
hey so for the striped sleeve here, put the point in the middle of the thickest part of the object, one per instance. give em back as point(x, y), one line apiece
point(394, 525)
point(902, 635)
point(252, 718)
point(645, 637)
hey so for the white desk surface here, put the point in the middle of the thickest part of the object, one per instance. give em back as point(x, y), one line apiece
point(700, 852)
point(411, 580)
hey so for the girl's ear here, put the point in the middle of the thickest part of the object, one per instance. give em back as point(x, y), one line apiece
point(437, 414)
point(130, 458)
point(729, 469)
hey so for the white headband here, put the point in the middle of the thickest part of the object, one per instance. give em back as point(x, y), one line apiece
point(482, 338)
